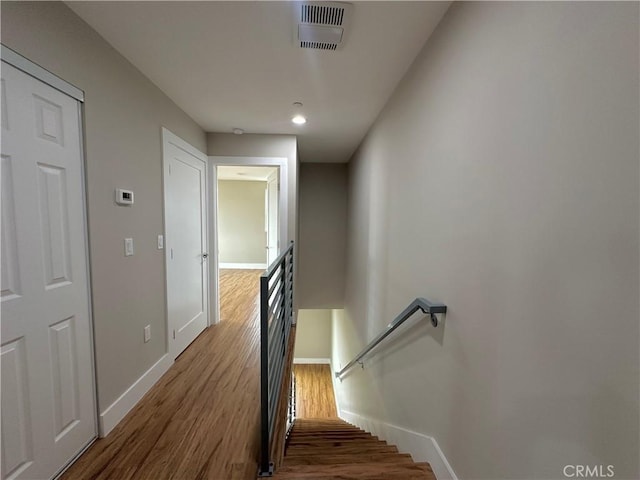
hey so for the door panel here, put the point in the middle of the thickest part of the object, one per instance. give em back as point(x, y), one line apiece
point(48, 403)
point(186, 243)
point(17, 453)
point(54, 225)
point(65, 376)
point(10, 283)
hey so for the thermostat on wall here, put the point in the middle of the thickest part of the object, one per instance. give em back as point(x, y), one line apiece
point(124, 197)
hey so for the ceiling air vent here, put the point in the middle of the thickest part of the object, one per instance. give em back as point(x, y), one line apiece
point(322, 25)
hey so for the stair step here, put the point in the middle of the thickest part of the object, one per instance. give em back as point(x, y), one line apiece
point(340, 459)
point(332, 438)
point(326, 428)
point(331, 424)
point(332, 442)
point(352, 436)
point(373, 442)
point(320, 433)
point(351, 449)
point(356, 471)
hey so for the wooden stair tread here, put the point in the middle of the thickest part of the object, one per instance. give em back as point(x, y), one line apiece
point(361, 470)
point(342, 450)
point(327, 434)
point(331, 438)
point(356, 434)
point(326, 428)
point(348, 458)
point(334, 442)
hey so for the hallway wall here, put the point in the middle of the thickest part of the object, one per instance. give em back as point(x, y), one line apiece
point(502, 178)
point(313, 334)
point(123, 115)
point(323, 235)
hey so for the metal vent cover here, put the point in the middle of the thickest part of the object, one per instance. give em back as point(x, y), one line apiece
point(318, 45)
point(322, 14)
point(321, 25)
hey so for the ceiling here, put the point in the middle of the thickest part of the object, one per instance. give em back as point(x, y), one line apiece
point(235, 64)
point(245, 173)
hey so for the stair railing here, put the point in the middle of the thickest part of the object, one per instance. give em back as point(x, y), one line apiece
point(291, 408)
point(276, 320)
point(422, 304)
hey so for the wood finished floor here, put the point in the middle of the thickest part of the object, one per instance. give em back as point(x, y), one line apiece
point(201, 420)
point(314, 390)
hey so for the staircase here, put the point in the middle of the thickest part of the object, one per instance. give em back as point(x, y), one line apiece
point(326, 449)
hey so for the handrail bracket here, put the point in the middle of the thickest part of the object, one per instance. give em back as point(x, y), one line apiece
point(422, 304)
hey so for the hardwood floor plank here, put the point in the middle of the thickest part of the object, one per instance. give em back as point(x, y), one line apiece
point(201, 420)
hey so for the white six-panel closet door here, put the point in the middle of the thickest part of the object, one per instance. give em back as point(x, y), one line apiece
point(48, 400)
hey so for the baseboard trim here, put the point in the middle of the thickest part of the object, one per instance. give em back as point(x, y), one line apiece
point(243, 266)
point(312, 360)
point(115, 412)
point(422, 448)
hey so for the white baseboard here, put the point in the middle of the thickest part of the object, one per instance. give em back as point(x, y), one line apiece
point(422, 448)
point(115, 412)
point(312, 360)
point(244, 266)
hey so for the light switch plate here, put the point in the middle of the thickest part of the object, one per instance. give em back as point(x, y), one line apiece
point(160, 242)
point(128, 247)
point(147, 333)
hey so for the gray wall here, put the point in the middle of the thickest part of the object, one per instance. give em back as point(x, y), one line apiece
point(254, 145)
point(241, 222)
point(124, 113)
point(502, 178)
point(323, 226)
point(313, 334)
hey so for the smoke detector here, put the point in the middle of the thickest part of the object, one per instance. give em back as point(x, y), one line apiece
point(321, 25)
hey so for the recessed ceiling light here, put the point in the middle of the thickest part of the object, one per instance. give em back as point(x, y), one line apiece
point(299, 120)
point(238, 131)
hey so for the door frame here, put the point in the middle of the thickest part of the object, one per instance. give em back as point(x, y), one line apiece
point(13, 58)
point(170, 138)
point(283, 209)
point(273, 176)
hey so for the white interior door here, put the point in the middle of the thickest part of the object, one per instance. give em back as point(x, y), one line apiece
point(48, 395)
point(272, 218)
point(185, 184)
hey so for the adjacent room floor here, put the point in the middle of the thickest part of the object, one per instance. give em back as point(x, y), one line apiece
point(314, 391)
point(201, 420)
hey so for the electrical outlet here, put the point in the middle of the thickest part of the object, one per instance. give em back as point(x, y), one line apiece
point(147, 333)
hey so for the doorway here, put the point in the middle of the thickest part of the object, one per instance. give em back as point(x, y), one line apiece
point(249, 217)
point(247, 223)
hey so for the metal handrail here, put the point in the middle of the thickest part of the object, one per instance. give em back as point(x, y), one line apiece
point(276, 320)
point(427, 307)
